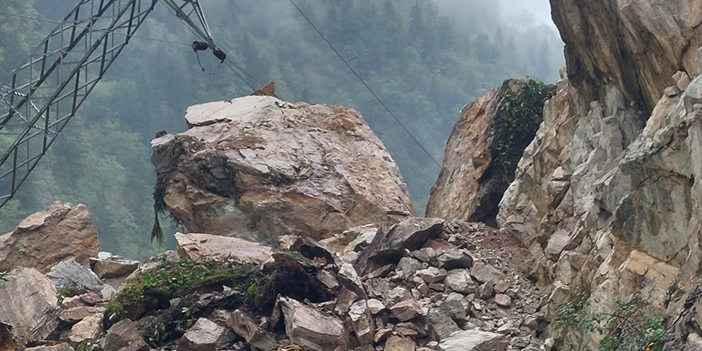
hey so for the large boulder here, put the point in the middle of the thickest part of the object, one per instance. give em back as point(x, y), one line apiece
point(48, 237)
point(29, 305)
point(484, 149)
point(259, 168)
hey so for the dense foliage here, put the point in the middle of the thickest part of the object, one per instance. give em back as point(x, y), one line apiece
point(631, 326)
point(419, 62)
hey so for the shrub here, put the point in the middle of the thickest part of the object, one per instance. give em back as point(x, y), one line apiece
point(630, 327)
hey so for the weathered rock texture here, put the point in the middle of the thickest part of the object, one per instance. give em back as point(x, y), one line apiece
point(635, 45)
point(258, 168)
point(484, 149)
point(46, 238)
point(28, 305)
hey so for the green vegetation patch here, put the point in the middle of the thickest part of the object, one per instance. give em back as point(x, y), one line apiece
point(518, 125)
point(154, 288)
point(632, 326)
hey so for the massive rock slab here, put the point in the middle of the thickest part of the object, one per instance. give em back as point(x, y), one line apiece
point(48, 237)
point(484, 149)
point(607, 196)
point(259, 168)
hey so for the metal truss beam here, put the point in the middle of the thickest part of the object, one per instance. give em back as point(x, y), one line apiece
point(45, 93)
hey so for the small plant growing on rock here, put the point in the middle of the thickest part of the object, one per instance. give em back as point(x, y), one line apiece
point(630, 327)
point(62, 294)
point(4, 276)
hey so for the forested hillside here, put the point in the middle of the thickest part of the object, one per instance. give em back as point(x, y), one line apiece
point(423, 65)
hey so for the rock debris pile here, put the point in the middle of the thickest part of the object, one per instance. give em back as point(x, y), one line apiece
point(421, 284)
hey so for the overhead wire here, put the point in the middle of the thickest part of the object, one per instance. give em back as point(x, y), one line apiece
point(232, 65)
point(364, 83)
point(229, 63)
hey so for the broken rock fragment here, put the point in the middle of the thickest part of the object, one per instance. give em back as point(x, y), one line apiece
point(432, 275)
point(484, 273)
point(205, 335)
point(107, 265)
point(474, 340)
point(362, 321)
point(312, 329)
point(440, 324)
point(124, 334)
point(250, 331)
point(29, 305)
point(406, 310)
point(198, 247)
point(410, 234)
point(77, 279)
point(455, 258)
point(396, 343)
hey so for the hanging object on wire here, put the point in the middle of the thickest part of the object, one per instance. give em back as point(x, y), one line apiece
point(216, 51)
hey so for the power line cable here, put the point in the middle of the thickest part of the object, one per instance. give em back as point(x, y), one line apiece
point(229, 65)
point(228, 62)
point(364, 83)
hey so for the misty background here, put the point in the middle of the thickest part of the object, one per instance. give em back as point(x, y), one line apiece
point(426, 60)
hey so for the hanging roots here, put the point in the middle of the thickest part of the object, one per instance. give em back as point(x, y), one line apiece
point(156, 232)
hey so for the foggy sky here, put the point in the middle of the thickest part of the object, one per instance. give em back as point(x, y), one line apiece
point(539, 8)
point(486, 16)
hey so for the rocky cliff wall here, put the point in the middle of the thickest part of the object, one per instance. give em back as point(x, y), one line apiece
point(635, 45)
point(607, 196)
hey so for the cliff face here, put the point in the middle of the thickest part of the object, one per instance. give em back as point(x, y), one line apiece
point(635, 45)
point(607, 196)
point(259, 168)
point(484, 149)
